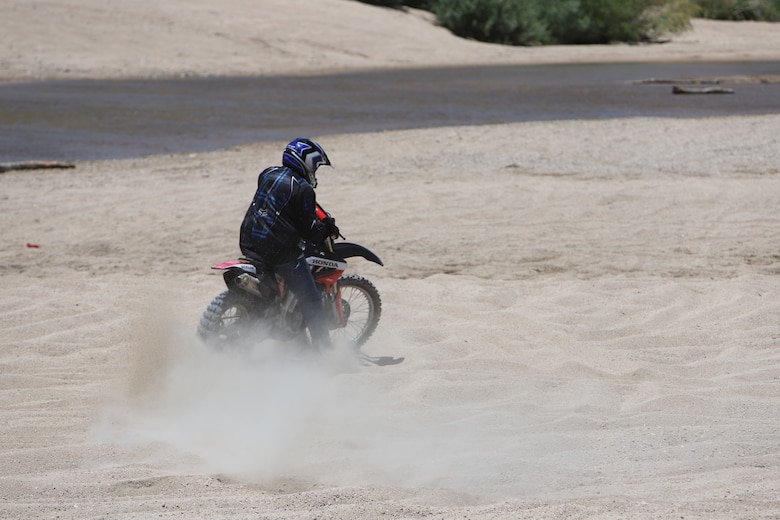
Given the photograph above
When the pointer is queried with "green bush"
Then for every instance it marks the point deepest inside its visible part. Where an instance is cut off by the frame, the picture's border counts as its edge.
(545, 22)
(530, 22)
(764, 10)
(496, 21)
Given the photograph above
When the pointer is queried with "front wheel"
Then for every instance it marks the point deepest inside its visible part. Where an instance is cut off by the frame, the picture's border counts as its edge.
(361, 306)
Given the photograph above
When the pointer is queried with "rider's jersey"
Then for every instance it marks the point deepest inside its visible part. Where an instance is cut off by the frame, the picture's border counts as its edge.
(281, 214)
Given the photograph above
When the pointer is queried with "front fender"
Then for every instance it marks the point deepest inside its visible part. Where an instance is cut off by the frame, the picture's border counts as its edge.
(348, 249)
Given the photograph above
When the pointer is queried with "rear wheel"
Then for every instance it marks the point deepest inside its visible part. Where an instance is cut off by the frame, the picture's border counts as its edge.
(228, 319)
(362, 307)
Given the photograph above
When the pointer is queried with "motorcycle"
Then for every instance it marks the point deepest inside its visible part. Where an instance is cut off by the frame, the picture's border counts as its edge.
(257, 304)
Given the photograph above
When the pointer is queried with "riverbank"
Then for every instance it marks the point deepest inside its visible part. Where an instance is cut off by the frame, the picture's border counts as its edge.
(66, 39)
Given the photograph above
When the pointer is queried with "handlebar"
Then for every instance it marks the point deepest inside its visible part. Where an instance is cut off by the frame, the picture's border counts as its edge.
(321, 214)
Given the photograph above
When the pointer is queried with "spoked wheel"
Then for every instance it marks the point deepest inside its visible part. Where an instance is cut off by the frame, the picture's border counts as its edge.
(227, 319)
(362, 308)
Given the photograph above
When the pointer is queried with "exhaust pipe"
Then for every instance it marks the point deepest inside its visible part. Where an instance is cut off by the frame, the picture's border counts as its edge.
(250, 284)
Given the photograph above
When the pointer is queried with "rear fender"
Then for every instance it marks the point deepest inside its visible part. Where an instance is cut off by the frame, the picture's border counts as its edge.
(232, 269)
(242, 265)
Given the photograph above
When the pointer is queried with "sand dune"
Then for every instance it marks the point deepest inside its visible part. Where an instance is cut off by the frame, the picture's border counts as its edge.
(144, 38)
(581, 315)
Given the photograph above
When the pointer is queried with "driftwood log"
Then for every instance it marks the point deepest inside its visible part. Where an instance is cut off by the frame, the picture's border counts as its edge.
(701, 90)
(767, 79)
(35, 165)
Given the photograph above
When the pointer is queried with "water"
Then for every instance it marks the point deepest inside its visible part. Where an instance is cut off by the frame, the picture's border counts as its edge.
(83, 119)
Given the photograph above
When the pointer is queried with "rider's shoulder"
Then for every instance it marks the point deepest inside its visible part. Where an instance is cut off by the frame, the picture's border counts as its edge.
(276, 170)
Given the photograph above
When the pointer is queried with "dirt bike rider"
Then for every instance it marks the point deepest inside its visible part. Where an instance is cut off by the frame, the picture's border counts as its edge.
(281, 215)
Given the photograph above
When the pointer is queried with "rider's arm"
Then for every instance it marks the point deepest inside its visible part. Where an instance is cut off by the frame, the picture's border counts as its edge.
(309, 226)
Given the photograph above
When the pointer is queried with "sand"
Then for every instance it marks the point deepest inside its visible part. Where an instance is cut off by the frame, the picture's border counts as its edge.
(580, 318)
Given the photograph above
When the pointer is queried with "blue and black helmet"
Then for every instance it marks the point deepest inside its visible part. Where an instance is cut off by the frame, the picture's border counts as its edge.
(304, 156)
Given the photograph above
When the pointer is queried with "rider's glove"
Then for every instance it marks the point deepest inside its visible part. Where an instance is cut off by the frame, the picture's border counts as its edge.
(331, 228)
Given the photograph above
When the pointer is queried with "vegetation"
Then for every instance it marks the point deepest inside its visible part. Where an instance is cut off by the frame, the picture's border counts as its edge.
(763, 10)
(535, 22)
(545, 22)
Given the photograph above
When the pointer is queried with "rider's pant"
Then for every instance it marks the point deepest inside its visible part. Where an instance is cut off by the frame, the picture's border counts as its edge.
(298, 277)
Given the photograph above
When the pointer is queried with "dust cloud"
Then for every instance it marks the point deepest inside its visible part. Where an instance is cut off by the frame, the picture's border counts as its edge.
(265, 412)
